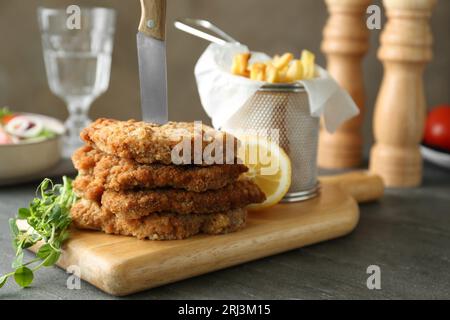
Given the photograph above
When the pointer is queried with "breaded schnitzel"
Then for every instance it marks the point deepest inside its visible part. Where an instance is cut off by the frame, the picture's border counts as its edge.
(100, 171)
(148, 143)
(160, 226)
(136, 204)
(132, 182)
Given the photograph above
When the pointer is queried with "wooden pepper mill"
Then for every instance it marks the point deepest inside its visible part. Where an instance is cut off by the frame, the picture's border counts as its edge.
(400, 108)
(346, 41)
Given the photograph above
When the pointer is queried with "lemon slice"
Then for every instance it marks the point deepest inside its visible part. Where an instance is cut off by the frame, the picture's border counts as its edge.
(269, 167)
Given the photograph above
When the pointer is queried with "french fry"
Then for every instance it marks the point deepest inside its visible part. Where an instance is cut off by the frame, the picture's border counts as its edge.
(295, 71)
(282, 74)
(271, 74)
(283, 61)
(240, 64)
(281, 69)
(258, 71)
(269, 63)
(308, 62)
(275, 59)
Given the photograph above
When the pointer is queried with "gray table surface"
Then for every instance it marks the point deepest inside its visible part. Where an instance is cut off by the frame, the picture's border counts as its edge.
(407, 234)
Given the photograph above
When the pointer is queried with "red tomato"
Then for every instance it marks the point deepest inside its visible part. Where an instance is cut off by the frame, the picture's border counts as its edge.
(437, 127)
(4, 137)
(8, 118)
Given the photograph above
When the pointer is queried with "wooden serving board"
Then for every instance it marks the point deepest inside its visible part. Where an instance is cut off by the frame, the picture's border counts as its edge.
(123, 265)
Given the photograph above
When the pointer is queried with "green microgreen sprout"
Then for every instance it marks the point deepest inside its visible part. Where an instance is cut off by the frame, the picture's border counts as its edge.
(48, 220)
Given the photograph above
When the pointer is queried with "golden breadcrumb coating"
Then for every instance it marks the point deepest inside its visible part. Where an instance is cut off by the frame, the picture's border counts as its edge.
(88, 214)
(100, 171)
(148, 143)
(136, 204)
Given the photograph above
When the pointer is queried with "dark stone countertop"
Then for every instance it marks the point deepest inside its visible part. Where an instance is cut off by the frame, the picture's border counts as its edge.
(407, 234)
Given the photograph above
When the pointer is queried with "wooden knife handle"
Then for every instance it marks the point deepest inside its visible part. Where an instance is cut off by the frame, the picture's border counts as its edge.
(361, 185)
(153, 18)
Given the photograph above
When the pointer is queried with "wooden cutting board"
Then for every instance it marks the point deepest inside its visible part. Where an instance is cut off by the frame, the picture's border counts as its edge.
(124, 265)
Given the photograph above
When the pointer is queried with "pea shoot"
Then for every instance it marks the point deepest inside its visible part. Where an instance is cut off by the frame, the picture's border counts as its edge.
(48, 219)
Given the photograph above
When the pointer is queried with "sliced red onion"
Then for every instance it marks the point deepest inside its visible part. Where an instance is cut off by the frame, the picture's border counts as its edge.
(23, 127)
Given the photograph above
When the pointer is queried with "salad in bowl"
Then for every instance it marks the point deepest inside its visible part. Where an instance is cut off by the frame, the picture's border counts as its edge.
(30, 144)
(16, 128)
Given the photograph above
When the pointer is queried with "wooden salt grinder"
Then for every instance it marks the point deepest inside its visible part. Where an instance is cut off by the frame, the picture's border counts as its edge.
(400, 108)
(346, 41)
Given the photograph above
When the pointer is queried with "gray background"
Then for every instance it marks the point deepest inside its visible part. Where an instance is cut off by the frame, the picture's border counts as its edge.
(265, 25)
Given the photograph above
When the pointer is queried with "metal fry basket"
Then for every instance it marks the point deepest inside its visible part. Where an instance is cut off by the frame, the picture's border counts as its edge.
(276, 106)
(286, 108)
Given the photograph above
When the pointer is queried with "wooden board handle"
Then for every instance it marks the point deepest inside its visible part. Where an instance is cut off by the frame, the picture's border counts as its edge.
(153, 18)
(361, 185)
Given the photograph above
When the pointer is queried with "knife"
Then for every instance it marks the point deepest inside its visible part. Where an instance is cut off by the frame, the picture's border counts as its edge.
(151, 48)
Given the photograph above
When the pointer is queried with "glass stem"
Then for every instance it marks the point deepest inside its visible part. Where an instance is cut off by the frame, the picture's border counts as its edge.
(78, 119)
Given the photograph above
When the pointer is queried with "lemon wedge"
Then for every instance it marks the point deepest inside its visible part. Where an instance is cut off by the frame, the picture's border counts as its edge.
(269, 167)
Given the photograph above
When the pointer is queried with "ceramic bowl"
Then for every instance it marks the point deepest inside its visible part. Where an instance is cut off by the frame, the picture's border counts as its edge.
(19, 161)
(438, 157)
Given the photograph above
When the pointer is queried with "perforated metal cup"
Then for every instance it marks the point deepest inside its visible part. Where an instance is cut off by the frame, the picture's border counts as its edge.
(286, 108)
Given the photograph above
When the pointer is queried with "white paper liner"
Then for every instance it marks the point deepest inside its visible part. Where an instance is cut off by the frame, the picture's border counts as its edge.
(222, 94)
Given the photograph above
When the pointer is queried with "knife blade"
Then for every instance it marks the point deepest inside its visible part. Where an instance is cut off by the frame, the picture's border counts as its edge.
(151, 48)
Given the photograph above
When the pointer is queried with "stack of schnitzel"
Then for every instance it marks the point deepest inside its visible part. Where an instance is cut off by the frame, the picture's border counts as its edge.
(130, 183)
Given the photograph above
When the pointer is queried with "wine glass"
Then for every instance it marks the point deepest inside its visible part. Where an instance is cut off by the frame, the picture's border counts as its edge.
(77, 61)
